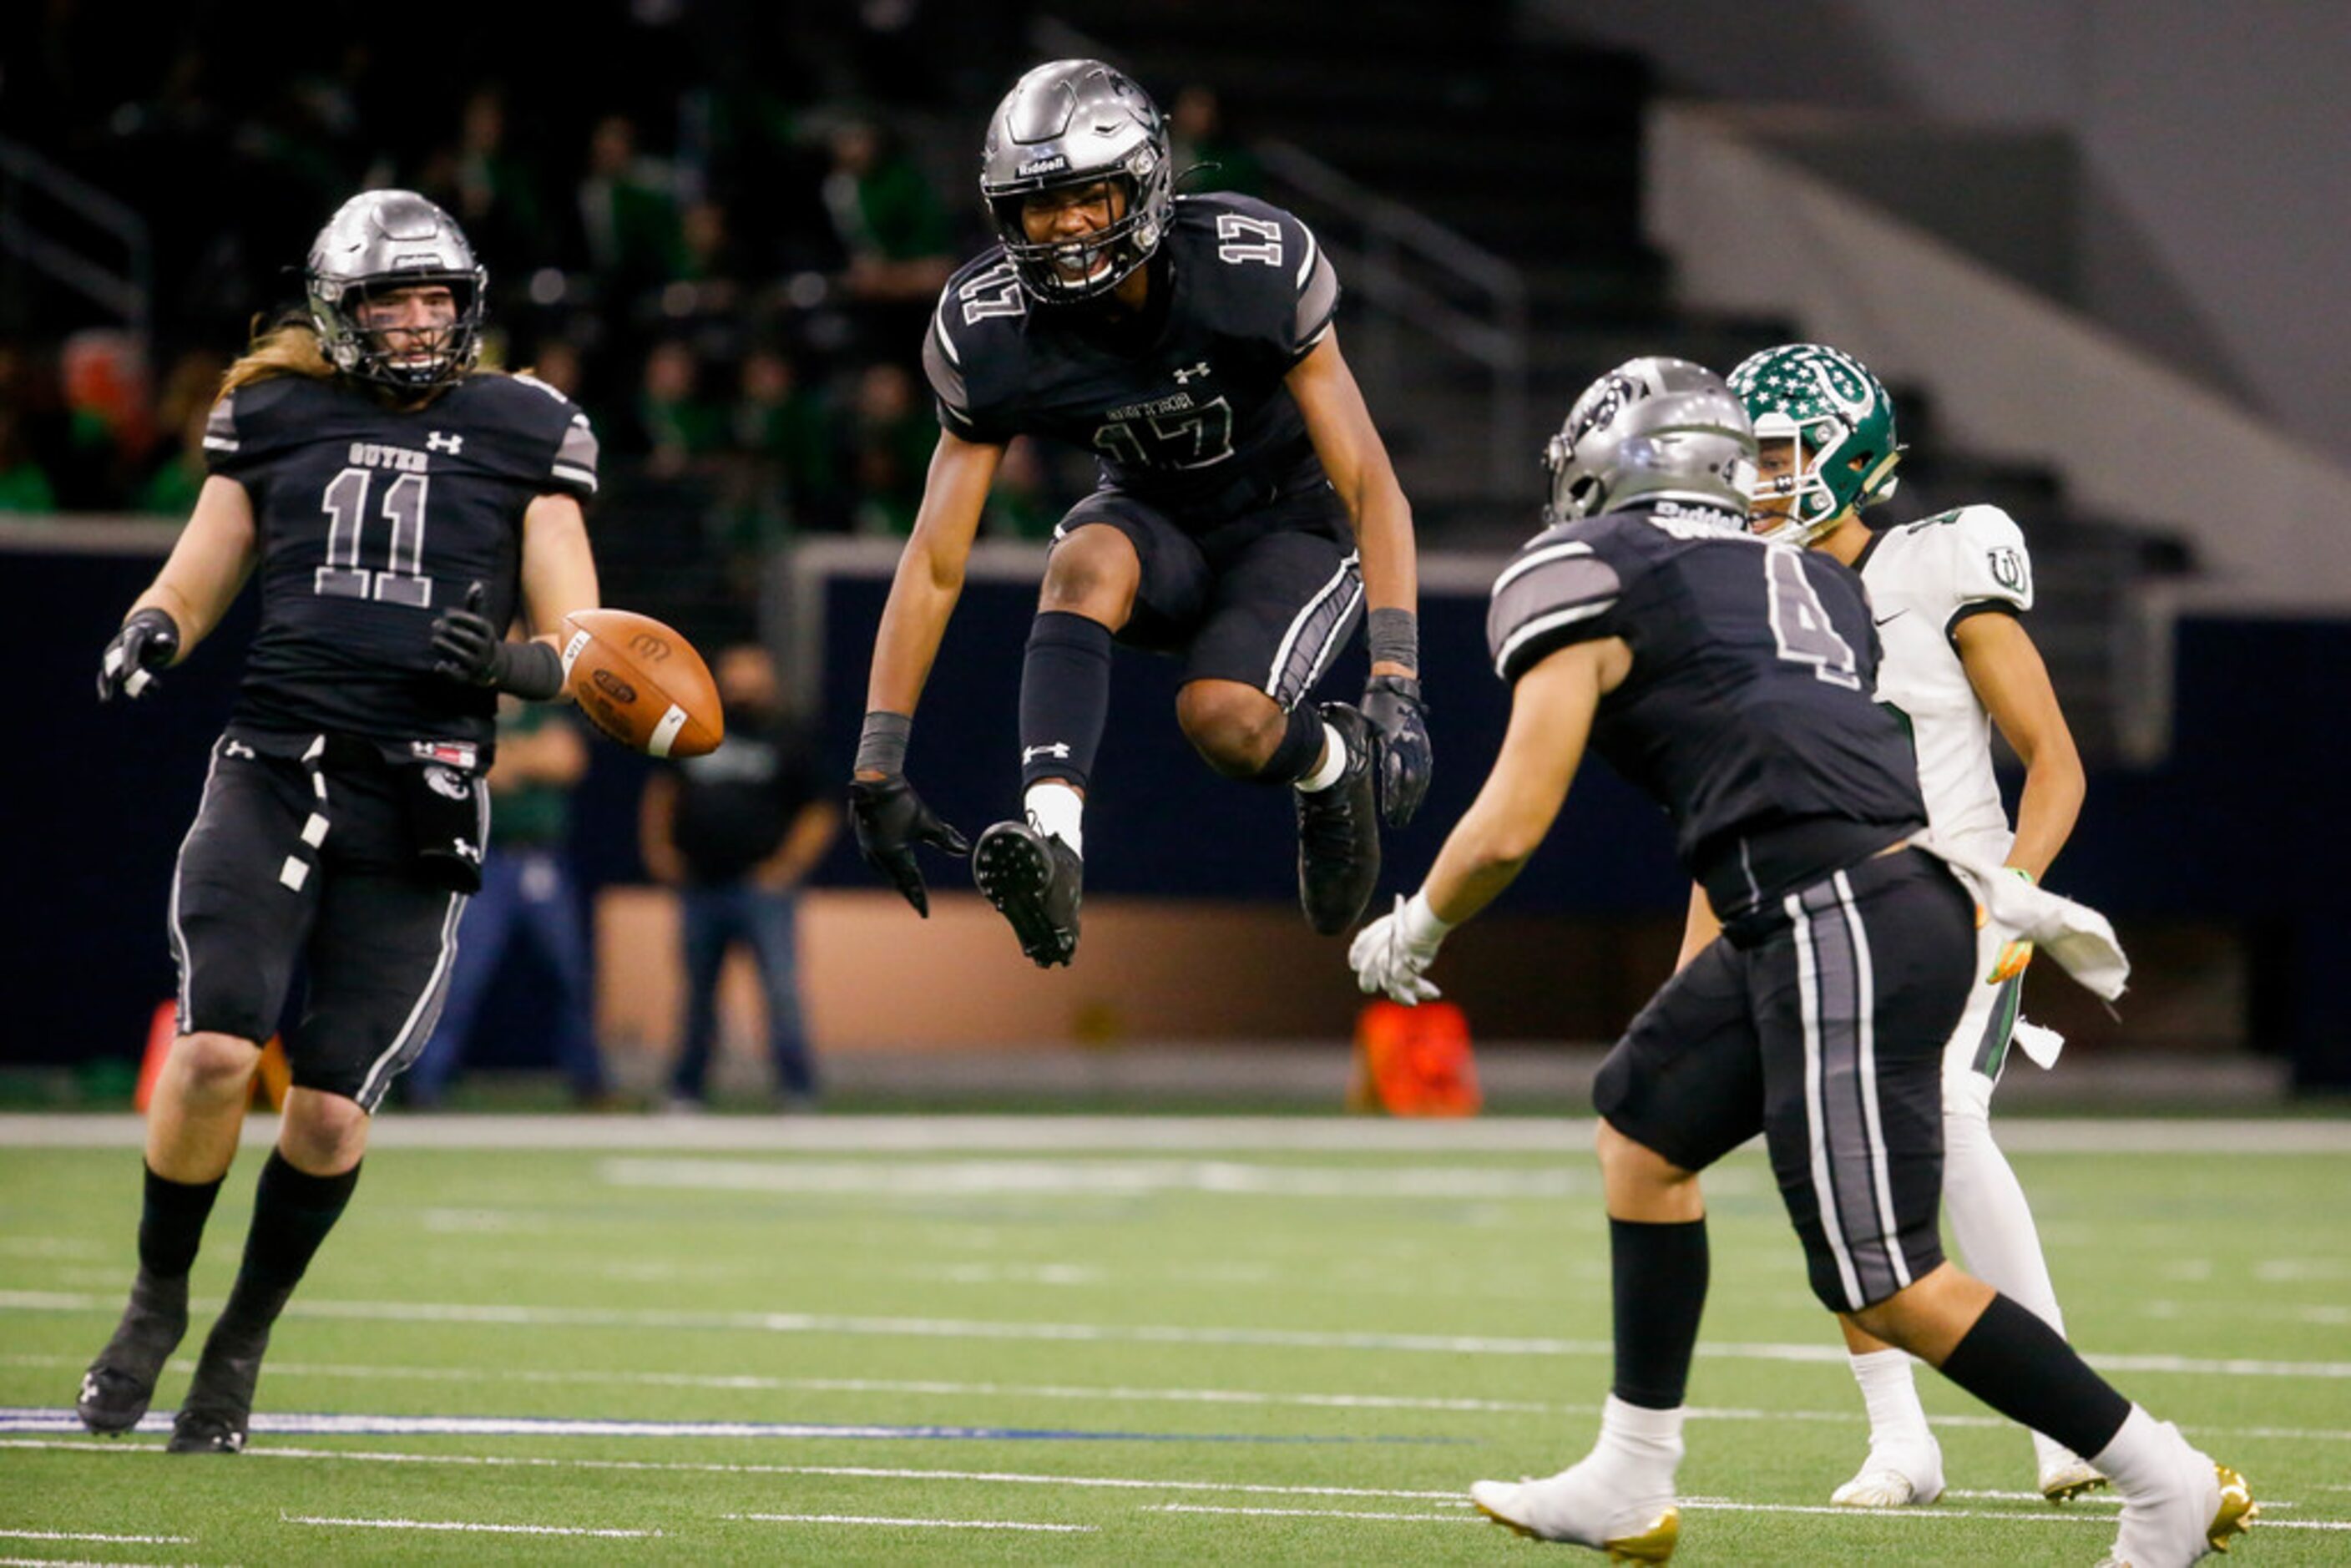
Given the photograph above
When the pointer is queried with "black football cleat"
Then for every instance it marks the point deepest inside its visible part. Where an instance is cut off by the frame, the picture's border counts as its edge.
(1338, 833)
(218, 1409)
(120, 1383)
(1037, 882)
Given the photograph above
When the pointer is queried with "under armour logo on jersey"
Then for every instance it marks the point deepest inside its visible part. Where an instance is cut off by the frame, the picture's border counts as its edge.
(436, 442)
(238, 748)
(1183, 376)
(1058, 751)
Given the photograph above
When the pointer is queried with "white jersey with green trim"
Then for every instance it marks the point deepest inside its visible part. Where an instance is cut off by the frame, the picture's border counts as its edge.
(1924, 578)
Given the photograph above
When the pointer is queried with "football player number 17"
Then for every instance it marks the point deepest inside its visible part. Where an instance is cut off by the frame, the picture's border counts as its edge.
(402, 578)
(1800, 623)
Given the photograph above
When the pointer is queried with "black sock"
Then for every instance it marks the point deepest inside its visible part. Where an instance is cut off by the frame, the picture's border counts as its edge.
(1064, 698)
(1660, 1275)
(172, 1223)
(2024, 1369)
(1301, 748)
(292, 1212)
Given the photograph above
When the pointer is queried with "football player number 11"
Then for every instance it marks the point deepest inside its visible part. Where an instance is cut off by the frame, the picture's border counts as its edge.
(400, 580)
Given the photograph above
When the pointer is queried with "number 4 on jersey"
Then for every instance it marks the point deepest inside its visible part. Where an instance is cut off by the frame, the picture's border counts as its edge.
(1800, 621)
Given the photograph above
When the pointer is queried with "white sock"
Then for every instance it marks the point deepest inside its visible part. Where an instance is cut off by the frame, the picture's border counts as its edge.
(1991, 1219)
(1334, 764)
(1992, 1222)
(1637, 1441)
(2142, 1458)
(1058, 811)
(1890, 1393)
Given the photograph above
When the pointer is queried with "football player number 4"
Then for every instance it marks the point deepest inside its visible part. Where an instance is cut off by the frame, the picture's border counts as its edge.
(400, 580)
(1800, 623)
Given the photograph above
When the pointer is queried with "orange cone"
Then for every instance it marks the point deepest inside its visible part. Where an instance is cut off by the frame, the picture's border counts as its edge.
(1414, 1061)
(161, 1031)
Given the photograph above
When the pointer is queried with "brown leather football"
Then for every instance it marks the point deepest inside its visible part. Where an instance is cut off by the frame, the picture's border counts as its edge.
(641, 684)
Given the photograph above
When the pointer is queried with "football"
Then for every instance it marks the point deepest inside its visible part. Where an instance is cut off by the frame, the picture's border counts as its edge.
(641, 684)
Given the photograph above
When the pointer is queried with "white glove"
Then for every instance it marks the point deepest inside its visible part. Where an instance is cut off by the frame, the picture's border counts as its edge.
(1393, 952)
(2077, 937)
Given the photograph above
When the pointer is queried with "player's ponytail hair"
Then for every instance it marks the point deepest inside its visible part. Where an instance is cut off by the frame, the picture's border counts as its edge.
(288, 347)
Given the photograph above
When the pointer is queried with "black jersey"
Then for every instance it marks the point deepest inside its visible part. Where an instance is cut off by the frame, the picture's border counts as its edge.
(1748, 713)
(1192, 417)
(371, 521)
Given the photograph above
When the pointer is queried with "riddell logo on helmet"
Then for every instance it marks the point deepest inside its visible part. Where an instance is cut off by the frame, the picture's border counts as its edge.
(1049, 165)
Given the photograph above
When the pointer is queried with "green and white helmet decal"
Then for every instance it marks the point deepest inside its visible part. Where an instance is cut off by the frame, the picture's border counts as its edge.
(1842, 422)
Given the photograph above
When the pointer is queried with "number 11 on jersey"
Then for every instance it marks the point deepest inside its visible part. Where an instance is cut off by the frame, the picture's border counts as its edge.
(345, 504)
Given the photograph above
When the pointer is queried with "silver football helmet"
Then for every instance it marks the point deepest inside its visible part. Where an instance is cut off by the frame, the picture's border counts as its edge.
(1652, 428)
(382, 240)
(1073, 123)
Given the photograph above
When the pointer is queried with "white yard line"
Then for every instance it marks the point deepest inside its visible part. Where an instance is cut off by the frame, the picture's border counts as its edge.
(89, 1535)
(2043, 1515)
(914, 1523)
(469, 1528)
(1569, 1138)
(1101, 1178)
(1094, 1393)
(2093, 1500)
(1320, 1514)
(852, 1472)
(1098, 1393)
(79, 1563)
(1109, 1333)
(334, 1425)
(1122, 1483)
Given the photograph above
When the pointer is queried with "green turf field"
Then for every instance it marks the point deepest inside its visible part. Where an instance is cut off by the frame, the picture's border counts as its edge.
(880, 1340)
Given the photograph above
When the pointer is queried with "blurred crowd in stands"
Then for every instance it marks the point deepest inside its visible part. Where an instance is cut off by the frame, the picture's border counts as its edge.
(719, 226)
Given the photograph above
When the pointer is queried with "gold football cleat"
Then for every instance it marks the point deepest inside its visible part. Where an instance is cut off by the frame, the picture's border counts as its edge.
(1655, 1544)
(2064, 1484)
(2237, 1512)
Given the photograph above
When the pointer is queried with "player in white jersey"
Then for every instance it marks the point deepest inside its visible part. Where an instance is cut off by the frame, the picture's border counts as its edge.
(1947, 593)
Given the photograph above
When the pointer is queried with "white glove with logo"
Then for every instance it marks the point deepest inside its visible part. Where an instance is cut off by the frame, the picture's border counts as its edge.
(1393, 952)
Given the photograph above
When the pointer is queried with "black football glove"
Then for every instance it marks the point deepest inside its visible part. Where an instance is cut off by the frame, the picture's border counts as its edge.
(464, 644)
(466, 647)
(889, 819)
(148, 642)
(1400, 751)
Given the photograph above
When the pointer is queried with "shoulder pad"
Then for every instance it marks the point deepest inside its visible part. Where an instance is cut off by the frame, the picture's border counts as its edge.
(1987, 559)
(978, 302)
(245, 426)
(1554, 591)
(1271, 262)
(554, 424)
(220, 429)
(573, 465)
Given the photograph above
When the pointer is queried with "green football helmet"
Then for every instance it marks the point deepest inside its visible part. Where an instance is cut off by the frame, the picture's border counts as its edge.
(1842, 424)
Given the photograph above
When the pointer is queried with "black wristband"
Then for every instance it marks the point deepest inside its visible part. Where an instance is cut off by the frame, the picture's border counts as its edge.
(533, 670)
(882, 743)
(1394, 638)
